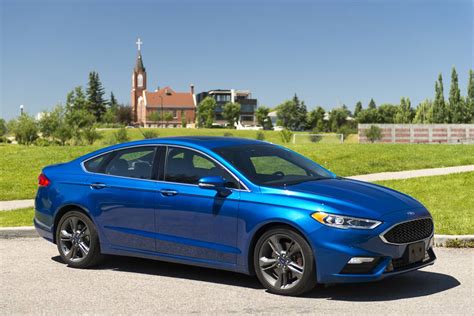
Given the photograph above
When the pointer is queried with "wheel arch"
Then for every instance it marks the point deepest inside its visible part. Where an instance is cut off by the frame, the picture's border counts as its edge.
(264, 228)
(65, 209)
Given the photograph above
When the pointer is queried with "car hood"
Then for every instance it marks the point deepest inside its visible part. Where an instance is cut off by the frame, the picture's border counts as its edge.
(352, 197)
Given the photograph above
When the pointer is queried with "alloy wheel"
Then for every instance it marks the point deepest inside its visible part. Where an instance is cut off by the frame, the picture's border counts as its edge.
(74, 239)
(281, 261)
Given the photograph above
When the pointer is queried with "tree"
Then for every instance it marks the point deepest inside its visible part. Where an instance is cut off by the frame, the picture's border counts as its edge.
(357, 109)
(3, 127)
(95, 96)
(205, 112)
(76, 100)
(337, 118)
(231, 113)
(168, 117)
(25, 129)
(292, 114)
(440, 113)
(423, 112)
(77, 121)
(154, 116)
(113, 101)
(261, 115)
(50, 121)
(470, 98)
(404, 113)
(372, 104)
(385, 114)
(368, 116)
(124, 114)
(373, 133)
(456, 104)
(315, 119)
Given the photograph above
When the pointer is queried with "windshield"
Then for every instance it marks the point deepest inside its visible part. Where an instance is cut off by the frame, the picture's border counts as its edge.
(270, 165)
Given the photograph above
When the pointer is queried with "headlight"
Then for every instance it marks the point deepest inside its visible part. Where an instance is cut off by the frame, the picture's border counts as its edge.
(345, 222)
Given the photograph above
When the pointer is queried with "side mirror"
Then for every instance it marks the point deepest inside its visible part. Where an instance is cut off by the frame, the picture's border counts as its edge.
(214, 183)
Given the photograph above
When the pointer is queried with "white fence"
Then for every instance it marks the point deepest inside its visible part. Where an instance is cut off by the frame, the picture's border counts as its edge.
(421, 133)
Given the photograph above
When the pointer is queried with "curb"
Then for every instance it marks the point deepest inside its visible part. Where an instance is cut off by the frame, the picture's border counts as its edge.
(439, 240)
(18, 232)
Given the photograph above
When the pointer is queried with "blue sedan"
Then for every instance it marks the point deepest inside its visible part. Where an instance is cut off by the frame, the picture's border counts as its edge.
(235, 204)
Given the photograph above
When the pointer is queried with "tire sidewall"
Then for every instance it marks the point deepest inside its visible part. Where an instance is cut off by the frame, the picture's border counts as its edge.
(308, 280)
(94, 249)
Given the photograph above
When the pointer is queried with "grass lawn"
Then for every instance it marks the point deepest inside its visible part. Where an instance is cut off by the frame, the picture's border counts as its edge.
(20, 217)
(450, 200)
(21, 165)
(452, 209)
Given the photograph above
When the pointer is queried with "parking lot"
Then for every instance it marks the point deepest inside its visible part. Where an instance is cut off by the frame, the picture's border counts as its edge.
(33, 281)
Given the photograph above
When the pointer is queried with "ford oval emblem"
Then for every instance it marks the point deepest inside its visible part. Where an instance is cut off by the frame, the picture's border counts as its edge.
(411, 213)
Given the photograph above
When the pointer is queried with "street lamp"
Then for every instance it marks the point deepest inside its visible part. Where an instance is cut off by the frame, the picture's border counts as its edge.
(161, 116)
(21, 109)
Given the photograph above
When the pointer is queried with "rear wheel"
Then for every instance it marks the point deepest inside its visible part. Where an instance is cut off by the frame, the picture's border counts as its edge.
(284, 262)
(77, 240)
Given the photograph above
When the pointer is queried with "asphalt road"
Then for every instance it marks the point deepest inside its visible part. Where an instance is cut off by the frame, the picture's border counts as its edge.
(34, 281)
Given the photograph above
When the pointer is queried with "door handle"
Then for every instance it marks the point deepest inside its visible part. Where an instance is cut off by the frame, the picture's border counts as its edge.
(98, 186)
(168, 192)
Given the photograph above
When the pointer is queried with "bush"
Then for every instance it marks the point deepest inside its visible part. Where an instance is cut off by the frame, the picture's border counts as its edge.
(91, 135)
(315, 138)
(149, 134)
(286, 136)
(346, 131)
(227, 134)
(43, 142)
(373, 134)
(260, 135)
(121, 136)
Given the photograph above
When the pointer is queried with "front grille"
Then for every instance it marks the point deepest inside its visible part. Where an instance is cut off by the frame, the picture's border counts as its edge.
(410, 231)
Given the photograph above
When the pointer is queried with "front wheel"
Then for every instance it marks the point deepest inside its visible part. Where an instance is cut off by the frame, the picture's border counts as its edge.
(284, 262)
(77, 240)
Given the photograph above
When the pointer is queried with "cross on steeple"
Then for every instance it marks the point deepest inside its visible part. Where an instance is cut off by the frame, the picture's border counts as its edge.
(139, 44)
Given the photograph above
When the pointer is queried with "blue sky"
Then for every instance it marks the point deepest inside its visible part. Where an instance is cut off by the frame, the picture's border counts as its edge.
(328, 52)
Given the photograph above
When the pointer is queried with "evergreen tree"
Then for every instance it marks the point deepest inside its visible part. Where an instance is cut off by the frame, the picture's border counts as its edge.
(292, 114)
(96, 103)
(440, 114)
(456, 104)
(470, 98)
(113, 101)
(358, 108)
(372, 104)
(315, 119)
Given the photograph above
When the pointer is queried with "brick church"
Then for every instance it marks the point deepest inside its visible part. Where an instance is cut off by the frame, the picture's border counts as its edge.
(162, 107)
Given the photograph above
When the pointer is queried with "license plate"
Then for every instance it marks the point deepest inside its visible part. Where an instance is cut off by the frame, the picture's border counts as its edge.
(416, 252)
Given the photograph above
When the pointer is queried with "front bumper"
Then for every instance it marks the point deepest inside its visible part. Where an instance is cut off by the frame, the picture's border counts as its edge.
(333, 248)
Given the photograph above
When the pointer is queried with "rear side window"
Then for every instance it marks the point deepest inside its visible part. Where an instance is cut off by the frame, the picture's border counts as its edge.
(132, 163)
(94, 165)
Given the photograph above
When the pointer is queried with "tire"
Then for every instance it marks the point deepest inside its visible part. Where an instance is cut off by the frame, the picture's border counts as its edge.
(83, 239)
(284, 269)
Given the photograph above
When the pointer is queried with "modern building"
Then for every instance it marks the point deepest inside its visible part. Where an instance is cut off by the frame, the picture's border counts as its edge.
(162, 107)
(248, 105)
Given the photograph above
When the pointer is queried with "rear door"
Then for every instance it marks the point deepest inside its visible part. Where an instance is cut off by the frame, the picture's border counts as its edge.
(123, 194)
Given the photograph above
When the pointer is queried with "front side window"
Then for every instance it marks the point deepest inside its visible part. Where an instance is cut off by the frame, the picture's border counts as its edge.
(272, 165)
(188, 166)
(132, 162)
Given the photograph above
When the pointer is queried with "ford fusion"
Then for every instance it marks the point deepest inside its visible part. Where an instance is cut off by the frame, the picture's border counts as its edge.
(235, 204)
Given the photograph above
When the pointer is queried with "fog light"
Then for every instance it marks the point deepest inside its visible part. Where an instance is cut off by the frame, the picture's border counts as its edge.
(360, 260)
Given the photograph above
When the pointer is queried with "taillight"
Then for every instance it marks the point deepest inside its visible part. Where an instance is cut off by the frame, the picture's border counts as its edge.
(43, 181)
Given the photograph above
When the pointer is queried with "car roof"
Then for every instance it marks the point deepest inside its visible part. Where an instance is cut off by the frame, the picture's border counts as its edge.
(202, 141)
(208, 142)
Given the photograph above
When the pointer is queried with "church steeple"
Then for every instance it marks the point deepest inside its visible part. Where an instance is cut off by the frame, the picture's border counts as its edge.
(138, 81)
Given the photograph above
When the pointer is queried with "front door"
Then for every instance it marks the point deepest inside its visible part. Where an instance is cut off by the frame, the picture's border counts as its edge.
(194, 222)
